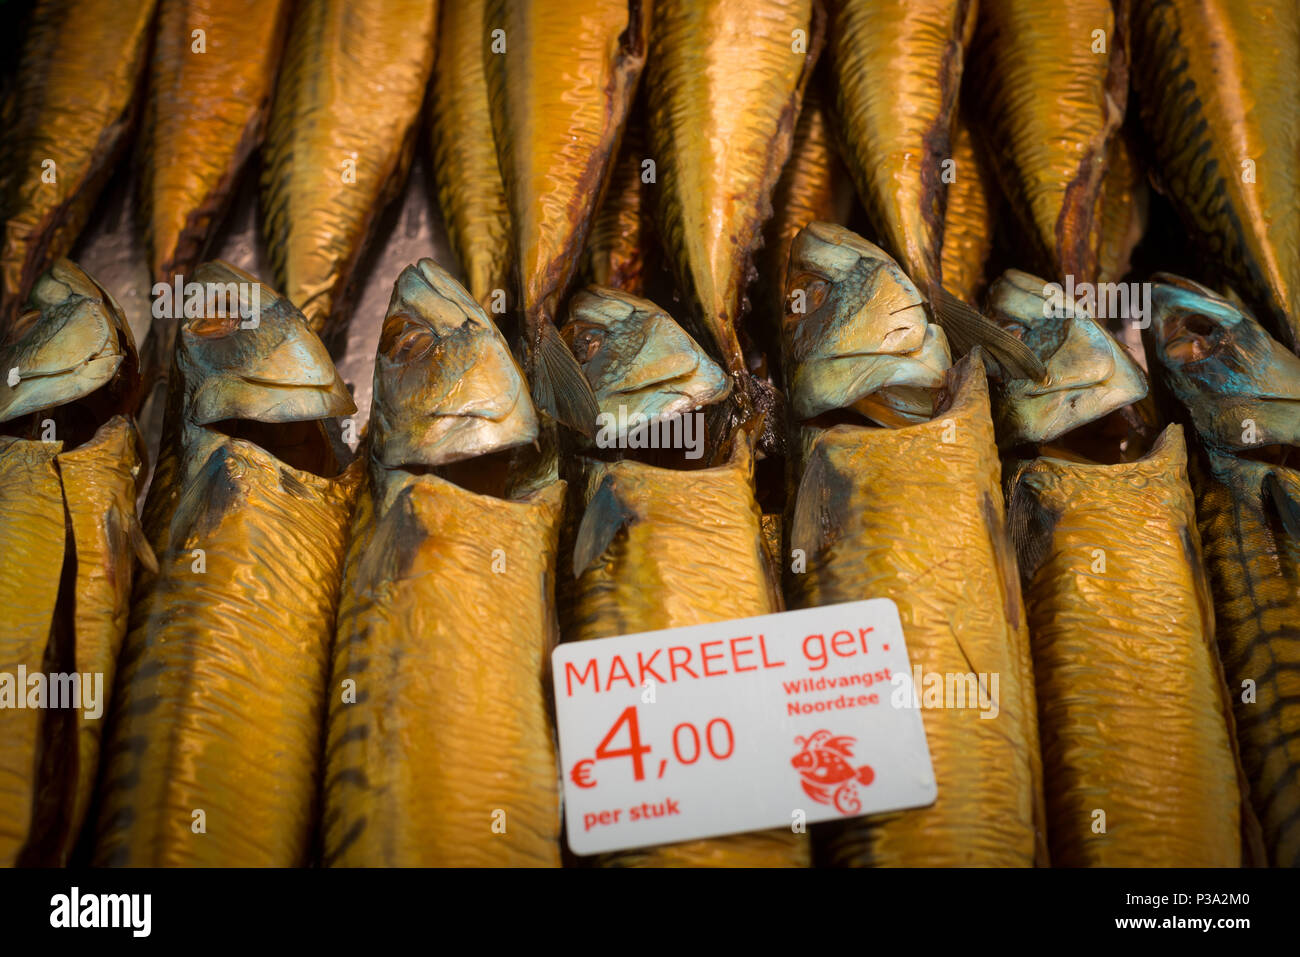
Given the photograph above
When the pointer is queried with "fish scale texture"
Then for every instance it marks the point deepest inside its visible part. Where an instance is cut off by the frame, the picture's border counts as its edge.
(31, 559)
(220, 698)
(693, 554)
(1050, 106)
(449, 649)
(203, 118)
(471, 196)
(947, 565)
(350, 89)
(1217, 83)
(1255, 574)
(70, 103)
(969, 219)
(898, 66)
(726, 83)
(1133, 715)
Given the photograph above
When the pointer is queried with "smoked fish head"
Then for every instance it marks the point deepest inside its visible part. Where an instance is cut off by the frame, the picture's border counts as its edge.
(71, 342)
(429, 409)
(266, 368)
(1089, 374)
(1240, 386)
(855, 333)
(637, 358)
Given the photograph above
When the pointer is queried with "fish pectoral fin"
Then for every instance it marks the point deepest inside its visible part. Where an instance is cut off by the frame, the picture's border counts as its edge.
(967, 328)
(809, 529)
(1285, 503)
(605, 516)
(1030, 526)
(559, 386)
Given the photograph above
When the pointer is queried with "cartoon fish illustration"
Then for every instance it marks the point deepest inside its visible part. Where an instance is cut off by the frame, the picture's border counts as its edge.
(828, 777)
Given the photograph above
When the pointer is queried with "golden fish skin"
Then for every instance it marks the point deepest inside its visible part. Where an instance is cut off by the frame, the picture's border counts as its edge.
(559, 96)
(1217, 85)
(970, 218)
(450, 722)
(471, 194)
(340, 141)
(1050, 106)
(726, 82)
(949, 568)
(616, 250)
(71, 105)
(697, 536)
(203, 118)
(1123, 204)
(69, 536)
(1254, 569)
(898, 67)
(1160, 764)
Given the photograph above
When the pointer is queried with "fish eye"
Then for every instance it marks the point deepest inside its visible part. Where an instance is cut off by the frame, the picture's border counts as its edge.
(212, 327)
(815, 290)
(1192, 338)
(586, 342)
(403, 338)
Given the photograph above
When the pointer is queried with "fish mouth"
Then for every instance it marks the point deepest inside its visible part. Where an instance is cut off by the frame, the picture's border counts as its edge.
(638, 359)
(863, 341)
(446, 388)
(70, 358)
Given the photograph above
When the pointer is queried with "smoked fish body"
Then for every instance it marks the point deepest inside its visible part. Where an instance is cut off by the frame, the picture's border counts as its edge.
(970, 217)
(898, 67)
(616, 249)
(949, 568)
(71, 107)
(1118, 600)
(203, 118)
(1217, 81)
(340, 141)
(1254, 570)
(727, 80)
(1053, 80)
(471, 194)
(446, 625)
(690, 551)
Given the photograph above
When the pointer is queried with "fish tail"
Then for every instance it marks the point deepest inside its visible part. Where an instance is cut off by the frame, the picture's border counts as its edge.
(559, 386)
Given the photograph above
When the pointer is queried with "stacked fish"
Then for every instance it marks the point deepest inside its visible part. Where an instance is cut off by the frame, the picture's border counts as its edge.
(894, 251)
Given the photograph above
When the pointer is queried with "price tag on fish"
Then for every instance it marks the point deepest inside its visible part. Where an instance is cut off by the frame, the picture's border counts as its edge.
(776, 721)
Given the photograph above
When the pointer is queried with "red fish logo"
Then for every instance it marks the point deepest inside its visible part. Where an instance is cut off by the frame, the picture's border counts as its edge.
(827, 775)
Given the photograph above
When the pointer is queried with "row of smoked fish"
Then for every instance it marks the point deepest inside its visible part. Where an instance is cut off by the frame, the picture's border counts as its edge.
(313, 661)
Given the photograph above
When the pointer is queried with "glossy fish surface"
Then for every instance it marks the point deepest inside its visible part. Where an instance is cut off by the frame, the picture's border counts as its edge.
(214, 754)
(340, 141)
(447, 615)
(64, 124)
(70, 469)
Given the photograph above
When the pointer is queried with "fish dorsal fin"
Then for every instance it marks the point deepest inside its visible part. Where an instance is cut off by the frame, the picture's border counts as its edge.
(604, 518)
(967, 328)
(1285, 504)
(559, 387)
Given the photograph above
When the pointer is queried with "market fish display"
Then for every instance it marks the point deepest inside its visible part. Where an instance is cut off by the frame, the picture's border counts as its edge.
(70, 465)
(471, 196)
(1116, 595)
(726, 82)
(1051, 87)
(444, 757)
(559, 92)
(1217, 81)
(695, 533)
(207, 101)
(65, 122)
(897, 67)
(913, 513)
(340, 141)
(214, 751)
(1240, 391)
